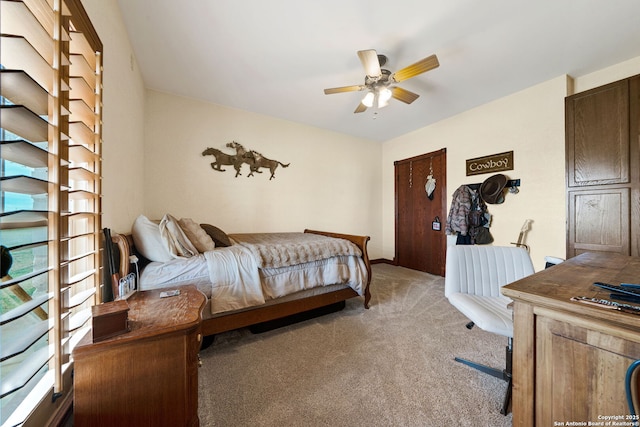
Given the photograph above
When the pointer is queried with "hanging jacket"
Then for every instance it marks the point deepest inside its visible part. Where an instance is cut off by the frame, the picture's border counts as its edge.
(457, 221)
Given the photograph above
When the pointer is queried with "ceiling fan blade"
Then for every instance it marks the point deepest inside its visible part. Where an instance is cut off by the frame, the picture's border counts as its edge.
(361, 108)
(403, 95)
(370, 62)
(342, 89)
(422, 66)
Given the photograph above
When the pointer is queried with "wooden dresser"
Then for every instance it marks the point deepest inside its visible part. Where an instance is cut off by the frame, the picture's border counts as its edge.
(570, 358)
(148, 376)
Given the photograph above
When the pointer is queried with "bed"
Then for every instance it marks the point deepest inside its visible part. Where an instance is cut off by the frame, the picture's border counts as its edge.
(291, 280)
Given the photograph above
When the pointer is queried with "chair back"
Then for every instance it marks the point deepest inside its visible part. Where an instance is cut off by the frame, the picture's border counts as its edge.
(483, 270)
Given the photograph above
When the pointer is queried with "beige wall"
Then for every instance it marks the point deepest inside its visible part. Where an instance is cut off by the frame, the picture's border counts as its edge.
(531, 123)
(332, 182)
(123, 118)
(607, 75)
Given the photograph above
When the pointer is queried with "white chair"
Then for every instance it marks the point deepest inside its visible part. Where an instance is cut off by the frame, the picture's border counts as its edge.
(550, 261)
(474, 276)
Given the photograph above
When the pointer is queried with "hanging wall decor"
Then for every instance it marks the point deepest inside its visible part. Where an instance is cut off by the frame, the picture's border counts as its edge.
(492, 163)
(255, 160)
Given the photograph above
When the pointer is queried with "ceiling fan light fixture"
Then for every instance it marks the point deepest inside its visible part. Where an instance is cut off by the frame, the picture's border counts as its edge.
(368, 99)
(384, 95)
(377, 80)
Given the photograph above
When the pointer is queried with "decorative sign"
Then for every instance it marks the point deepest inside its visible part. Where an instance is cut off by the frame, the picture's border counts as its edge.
(492, 163)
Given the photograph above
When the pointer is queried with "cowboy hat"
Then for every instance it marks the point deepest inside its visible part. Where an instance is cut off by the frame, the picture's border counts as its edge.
(491, 189)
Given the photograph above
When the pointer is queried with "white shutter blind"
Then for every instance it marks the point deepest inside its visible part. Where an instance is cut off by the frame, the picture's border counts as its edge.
(50, 171)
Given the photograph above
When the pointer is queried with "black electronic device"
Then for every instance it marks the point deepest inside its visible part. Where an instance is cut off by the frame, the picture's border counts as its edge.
(626, 293)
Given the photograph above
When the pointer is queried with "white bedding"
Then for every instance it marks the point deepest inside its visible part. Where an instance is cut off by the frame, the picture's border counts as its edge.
(233, 273)
(348, 270)
(230, 276)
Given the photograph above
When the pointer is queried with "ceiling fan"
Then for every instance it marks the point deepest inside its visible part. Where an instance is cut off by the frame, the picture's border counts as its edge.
(379, 82)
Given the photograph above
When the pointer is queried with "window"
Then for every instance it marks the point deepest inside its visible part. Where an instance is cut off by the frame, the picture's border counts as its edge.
(50, 212)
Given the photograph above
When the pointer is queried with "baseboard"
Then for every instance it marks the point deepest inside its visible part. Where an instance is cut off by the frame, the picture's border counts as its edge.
(382, 261)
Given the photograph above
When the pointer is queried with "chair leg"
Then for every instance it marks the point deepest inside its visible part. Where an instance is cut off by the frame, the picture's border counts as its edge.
(504, 374)
(508, 371)
(498, 373)
(469, 325)
(507, 398)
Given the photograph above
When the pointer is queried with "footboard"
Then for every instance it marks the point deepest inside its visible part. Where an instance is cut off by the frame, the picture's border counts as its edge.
(360, 242)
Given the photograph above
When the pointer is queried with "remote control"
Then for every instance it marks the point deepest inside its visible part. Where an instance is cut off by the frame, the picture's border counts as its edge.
(624, 297)
(629, 291)
(172, 293)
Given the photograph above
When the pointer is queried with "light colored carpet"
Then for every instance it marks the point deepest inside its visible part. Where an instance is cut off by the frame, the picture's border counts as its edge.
(391, 365)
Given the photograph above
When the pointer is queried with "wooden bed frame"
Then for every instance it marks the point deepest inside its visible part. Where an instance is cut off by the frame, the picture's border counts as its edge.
(222, 322)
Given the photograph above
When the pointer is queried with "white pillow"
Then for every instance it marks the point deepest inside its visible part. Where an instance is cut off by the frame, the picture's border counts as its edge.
(177, 242)
(200, 239)
(148, 240)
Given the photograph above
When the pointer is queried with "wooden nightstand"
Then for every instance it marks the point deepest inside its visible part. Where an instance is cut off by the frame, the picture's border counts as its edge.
(148, 376)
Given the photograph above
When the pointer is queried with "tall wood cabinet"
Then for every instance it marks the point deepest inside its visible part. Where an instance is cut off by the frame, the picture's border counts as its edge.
(603, 169)
(147, 376)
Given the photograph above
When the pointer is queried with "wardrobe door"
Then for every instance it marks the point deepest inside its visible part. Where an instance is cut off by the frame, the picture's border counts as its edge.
(600, 220)
(420, 245)
(597, 136)
(602, 162)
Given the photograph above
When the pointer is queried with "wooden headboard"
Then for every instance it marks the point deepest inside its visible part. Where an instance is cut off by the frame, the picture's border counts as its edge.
(124, 242)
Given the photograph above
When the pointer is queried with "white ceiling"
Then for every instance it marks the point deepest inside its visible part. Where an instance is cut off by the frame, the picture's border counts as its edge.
(275, 57)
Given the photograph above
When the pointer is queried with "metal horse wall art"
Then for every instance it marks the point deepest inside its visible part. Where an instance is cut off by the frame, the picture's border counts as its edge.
(223, 159)
(255, 160)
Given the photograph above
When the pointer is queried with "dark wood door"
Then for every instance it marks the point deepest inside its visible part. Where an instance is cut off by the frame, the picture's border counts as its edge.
(418, 245)
(603, 183)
